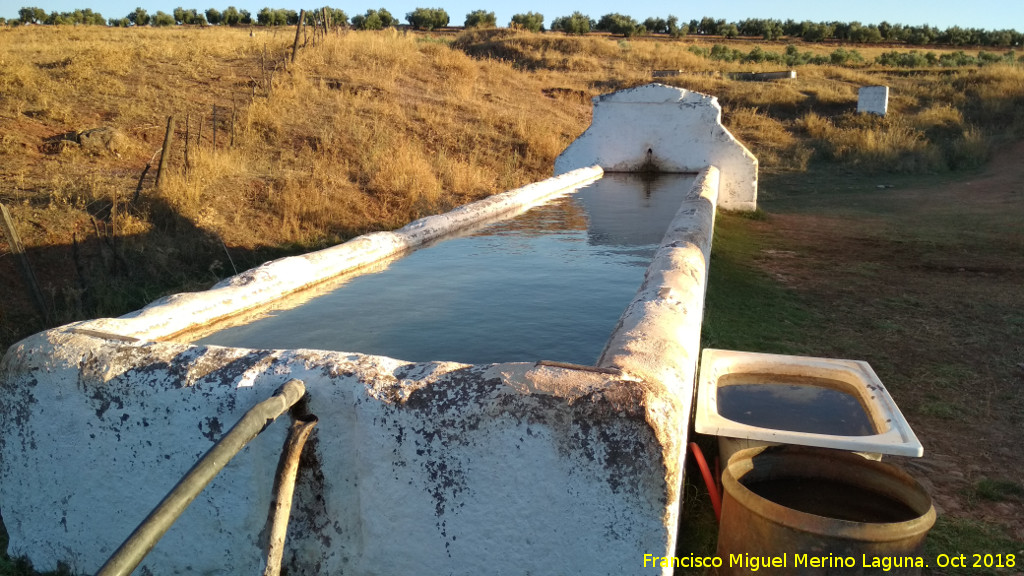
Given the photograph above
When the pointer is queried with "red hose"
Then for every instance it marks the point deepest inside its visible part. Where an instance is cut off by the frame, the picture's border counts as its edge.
(709, 480)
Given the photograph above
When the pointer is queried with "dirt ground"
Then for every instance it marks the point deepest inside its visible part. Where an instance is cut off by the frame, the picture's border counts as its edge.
(926, 282)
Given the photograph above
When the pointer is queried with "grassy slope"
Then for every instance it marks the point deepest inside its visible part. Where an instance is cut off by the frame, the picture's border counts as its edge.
(369, 130)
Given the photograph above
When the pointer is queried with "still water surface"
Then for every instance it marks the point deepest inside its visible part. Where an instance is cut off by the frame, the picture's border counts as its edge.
(549, 284)
(792, 403)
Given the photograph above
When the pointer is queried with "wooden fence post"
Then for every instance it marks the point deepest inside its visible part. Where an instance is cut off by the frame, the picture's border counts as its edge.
(298, 31)
(165, 152)
(138, 188)
(188, 142)
(26, 269)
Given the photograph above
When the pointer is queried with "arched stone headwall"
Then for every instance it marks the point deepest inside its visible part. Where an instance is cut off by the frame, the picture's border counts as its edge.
(665, 129)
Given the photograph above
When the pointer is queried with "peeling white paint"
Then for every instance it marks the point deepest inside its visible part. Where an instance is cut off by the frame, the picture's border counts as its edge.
(682, 130)
(413, 468)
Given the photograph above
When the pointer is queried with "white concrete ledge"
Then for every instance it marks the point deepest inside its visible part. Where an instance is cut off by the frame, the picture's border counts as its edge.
(657, 339)
(273, 280)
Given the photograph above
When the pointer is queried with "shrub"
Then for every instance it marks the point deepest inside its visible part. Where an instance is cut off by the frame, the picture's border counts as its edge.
(656, 25)
(481, 19)
(958, 58)
(532, 21)
(723, 53)
(374, 20)
(427, 18)
(337, 16)
(269, 17)
(817, 32)
(31, 15)
(162, 19)
(231, 16)
(768, 29)
(578, 23)
(702, 52)
(757, 55)
(843, 57)
(674, 29)
(139, 17)
(865, 34)
(707, 26)
(84, 17)
(618, 24)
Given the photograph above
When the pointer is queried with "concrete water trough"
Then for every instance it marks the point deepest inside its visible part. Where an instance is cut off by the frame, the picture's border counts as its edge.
(417, 466)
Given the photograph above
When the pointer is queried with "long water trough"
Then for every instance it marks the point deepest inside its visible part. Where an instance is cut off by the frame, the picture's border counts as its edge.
(550, 283)
(496, 394)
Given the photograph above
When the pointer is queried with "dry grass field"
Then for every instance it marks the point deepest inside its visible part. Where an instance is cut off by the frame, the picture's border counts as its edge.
(368, 130)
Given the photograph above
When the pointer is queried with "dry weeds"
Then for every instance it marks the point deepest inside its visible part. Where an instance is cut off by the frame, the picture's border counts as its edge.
(368, 130)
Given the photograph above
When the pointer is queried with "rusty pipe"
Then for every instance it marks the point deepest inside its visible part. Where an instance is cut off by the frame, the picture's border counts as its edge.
(131, 553)
(284, 487)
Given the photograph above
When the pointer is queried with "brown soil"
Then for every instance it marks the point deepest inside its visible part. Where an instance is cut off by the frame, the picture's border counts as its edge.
(926, 282)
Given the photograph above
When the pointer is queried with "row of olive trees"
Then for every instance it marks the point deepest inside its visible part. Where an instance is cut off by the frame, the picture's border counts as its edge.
(615, 23)
(35, 15)
(770, 29)
(576, 23)
(420, 18)
(855, 32)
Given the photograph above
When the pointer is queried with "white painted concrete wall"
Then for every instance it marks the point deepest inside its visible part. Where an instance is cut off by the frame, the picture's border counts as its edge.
(432, 468)
(682, 129)
(873, 100)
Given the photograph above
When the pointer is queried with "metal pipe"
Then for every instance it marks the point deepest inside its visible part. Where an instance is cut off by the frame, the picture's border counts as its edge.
(130, 554)
(284, 488)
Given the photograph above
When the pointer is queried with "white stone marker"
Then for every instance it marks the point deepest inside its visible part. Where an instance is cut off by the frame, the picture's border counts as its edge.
(873, 100)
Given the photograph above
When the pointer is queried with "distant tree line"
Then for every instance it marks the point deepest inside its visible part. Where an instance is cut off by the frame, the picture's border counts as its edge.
(792, 56)
(35, 15)
(575, 23)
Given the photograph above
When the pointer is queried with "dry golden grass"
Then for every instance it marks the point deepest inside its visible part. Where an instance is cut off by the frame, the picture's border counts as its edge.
(368, 130)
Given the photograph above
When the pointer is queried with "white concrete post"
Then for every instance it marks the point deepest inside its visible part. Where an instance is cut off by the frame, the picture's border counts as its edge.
(873, 100)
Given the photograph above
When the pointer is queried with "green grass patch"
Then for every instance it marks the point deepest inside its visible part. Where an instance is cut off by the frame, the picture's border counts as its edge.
(975, 540)
(998, 490)
(745, 308)
(940, 409)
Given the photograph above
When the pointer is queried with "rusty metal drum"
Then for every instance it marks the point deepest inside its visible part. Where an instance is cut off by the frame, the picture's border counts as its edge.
(803, 510)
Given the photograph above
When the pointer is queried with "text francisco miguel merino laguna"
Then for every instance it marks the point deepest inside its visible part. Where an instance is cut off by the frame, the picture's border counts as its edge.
(755, 563)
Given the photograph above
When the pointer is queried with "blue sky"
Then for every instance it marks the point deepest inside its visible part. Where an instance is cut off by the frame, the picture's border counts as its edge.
(988, 14)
